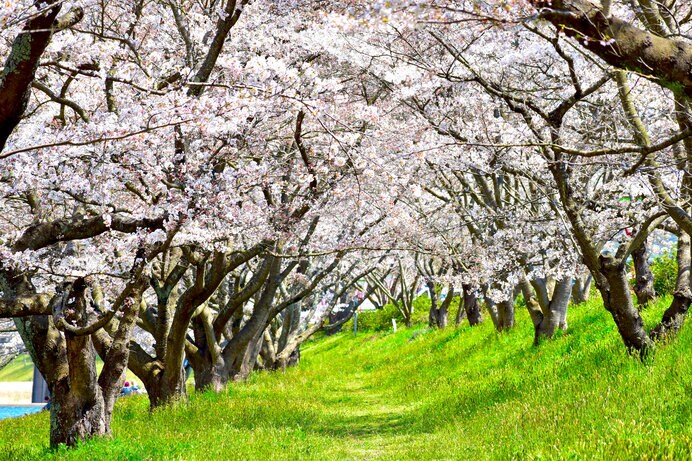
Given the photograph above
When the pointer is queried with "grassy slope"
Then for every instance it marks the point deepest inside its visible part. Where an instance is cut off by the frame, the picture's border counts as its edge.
(19, 369)
(22, 369)
(418, 394)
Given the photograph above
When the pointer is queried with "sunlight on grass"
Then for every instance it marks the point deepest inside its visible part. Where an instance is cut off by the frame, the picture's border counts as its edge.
(22, 369)
(19, 369)
(421, 394)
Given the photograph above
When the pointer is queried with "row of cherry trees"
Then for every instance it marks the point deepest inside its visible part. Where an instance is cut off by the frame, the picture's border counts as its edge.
(219, 175)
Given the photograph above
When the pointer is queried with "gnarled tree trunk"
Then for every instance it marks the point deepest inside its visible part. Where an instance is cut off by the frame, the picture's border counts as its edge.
(20, 67)
(505, 314)
(674, 316)
(471, 306)
(77, 409)
(62, 348)
(581, 288)
(439, 316)
(666, 61)
(644, 278)
(554, 309)
(442, 317)
(617, 300)
(502, 312)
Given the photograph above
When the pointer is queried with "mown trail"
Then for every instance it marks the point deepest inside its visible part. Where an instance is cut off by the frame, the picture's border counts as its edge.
(463, 393)
(360, 416)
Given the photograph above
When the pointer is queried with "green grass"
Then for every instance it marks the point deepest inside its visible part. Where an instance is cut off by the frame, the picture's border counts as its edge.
(22, 369)
(19, 369)
(465, 393)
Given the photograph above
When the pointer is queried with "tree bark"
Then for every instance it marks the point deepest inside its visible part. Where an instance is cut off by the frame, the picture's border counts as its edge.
(439, 316)
(674, 316)
(210, 376)
(461, 313)
(162, 390)
(581, 288)
(442, 317)
(501, 313)
(164, 375)
(618, 301)
(644, 278)
(551, 312)
(21, 64)
(232, 12)
(62, 347)
(471, 306)
(432, 317)
(609, 273)
(77, 409)
(505, 314)
(242, 350)
(337, 321)
(206, 360)
(81, 400)
(665, 61)
(556, 312)
(536, 311)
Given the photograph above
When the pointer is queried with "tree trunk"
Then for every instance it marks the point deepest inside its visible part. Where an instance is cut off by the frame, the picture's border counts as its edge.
(210, 376)
(581, 288)
(439, 316)
(337, 319)
(432, 318)
(674, 316)
(248, 359)
(505, 314)
(62, 347)
(532, 305)
(285, 359)
(240, 354)
(294, 358)
(502, 313)
(79, 406)
(609, 273)
(209, 367)
(644, 279)
(491, 307)
(268, 350)
(289, 324)
(162, 390)
(471, 306)
(77, 409)
(23, 60)
(442, 317)
(665, 61)
(406, 313)
(461, 313)
(618, 301)
(555, 316)
(551, 312)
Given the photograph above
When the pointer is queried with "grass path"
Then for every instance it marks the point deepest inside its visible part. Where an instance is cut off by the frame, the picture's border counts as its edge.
(465, 393)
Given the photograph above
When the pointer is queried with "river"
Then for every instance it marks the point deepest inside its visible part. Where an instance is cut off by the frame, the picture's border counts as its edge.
(12, 411)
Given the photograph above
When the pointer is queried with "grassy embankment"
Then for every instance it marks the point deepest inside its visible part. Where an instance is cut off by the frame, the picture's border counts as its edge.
(419, 394)
(22, 369)
(19, 369)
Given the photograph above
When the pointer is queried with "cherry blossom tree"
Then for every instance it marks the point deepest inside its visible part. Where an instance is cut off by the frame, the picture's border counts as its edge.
(207, 171)
(551, 133)
(125, 144)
